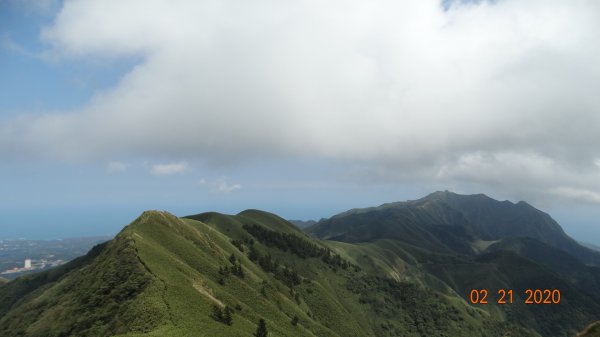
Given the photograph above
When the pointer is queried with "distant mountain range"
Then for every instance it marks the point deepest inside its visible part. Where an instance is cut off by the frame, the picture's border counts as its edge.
(449, 222)
(399, 269)
(303, 223)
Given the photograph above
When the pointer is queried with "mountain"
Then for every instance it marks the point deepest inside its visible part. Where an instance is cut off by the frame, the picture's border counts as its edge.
(475, 242)
(213, 274)
(590, 246)
(302, 223)
(449, 222)
(166, 276)
(593, 330)
(567, 266)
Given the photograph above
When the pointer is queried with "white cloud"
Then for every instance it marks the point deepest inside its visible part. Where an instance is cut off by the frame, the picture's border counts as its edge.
(170, 168)
(527, 176)
(577, 194)
(117, 166)
(503, 94)
(224, 187)
(220, 185)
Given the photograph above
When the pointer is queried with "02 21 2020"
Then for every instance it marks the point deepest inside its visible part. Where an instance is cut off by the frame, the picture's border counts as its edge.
(531, 296)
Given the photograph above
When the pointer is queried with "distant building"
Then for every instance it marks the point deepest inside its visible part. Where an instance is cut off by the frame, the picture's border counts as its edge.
(28, 264)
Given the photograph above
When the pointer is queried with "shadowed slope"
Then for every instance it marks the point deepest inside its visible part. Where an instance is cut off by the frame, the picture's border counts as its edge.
(166, 276)
(449, 222)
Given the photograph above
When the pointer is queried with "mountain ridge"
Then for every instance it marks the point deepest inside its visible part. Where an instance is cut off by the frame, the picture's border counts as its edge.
(475, 217)
(169, 276)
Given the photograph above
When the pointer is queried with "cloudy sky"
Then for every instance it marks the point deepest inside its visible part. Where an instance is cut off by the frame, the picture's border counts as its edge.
(303, 108)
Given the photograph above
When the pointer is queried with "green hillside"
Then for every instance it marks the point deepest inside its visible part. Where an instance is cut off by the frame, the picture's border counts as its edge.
(468, 242)
(166, 276)
(216, 275)
(568, 267)
(593, 330)
(449, 222)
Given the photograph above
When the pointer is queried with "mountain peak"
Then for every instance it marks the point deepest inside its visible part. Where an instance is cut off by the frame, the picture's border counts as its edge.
(449, 220)
(165, 275)
(152, 218)
(449, 194)
(156, 213)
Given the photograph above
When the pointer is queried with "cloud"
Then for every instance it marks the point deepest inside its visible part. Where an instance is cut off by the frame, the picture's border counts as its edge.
(583, 195)
(220, 185)
(117, 166)
(169, 169)
(496, 93)
(528, 176)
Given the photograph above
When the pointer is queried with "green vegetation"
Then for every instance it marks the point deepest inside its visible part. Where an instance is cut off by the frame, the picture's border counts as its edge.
(447, 223)
(224, 316)
(256, 274)
(593, 330)
(261, 330)
(545, 258)
(585, 277)
(91, 300)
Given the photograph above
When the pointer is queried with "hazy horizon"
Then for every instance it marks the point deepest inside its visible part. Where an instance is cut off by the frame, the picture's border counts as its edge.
(577, 226)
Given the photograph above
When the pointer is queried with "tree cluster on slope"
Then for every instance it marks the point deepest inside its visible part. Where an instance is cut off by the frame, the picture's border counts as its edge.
(235, 269)
(261, 330)
(224, 316)
(420, 311)
(296, 245)
(287, 274)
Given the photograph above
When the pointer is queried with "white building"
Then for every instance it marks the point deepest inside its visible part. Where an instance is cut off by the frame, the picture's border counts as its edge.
(28, 264)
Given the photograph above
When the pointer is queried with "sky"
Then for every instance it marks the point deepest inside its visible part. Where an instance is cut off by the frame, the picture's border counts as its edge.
(305, 108)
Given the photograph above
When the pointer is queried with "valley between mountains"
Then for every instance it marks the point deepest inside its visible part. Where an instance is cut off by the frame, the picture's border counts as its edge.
(399, 269)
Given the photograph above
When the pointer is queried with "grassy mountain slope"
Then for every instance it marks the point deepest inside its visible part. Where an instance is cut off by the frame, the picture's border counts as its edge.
(583, 276)
(166, 276)
(454, 275)
(302, 223)
(593, 330)
(448, 222)
(496, 220)
(514, 246)
(507, 270)
(91, 295)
